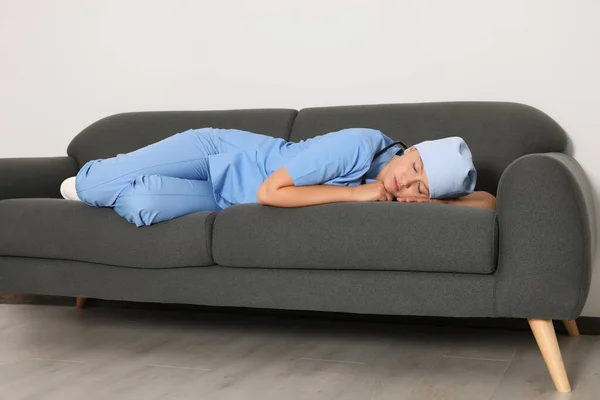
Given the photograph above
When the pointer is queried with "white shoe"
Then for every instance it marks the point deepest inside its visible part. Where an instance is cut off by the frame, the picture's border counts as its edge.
(67, 189)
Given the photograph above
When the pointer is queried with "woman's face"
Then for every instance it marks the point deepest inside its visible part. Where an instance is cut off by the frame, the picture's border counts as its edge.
(405, 175)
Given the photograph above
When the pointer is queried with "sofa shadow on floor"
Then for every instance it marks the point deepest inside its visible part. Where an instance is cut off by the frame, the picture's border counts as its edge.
(586, 325)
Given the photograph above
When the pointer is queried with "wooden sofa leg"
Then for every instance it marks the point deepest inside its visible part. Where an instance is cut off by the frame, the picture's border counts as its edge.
(80, 303)
(543, 330)
(571, 326)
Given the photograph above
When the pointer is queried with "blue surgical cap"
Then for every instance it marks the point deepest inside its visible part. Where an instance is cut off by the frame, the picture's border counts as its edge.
(449, 167)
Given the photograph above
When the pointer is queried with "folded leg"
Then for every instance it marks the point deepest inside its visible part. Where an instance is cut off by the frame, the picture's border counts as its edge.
(183, 155)
(147, 200)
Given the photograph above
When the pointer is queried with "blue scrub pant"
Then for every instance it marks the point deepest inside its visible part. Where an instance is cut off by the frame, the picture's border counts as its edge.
(157, 183)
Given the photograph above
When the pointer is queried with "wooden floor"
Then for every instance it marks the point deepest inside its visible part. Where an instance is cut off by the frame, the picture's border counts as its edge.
(57, 352)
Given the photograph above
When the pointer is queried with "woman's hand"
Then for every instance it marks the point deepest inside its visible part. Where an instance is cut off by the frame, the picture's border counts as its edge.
(374, 191)
(413, 199)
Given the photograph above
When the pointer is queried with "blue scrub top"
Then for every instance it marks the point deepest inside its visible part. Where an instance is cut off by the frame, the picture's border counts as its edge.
(245, 159)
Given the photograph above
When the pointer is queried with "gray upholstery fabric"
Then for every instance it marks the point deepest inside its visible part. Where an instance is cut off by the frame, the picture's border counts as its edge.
(34, 177)
(127, 132)
(497, 133)
(586, 200)
(368, 292)
(545, 218)
(71, 230)
(368, 236)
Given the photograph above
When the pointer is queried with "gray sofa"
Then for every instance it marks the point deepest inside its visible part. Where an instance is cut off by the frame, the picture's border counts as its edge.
(529, 259)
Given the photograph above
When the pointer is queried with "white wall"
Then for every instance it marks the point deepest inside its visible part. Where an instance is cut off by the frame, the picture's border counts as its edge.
(66, 63)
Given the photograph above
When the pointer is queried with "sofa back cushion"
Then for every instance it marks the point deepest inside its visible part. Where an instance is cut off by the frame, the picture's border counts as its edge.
(496, 132)
(122, 133)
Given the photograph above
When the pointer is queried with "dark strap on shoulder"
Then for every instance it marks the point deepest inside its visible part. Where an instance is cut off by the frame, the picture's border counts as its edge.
(380, 152)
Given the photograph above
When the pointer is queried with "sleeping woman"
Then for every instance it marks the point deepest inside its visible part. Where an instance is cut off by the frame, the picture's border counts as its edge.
(211, 169)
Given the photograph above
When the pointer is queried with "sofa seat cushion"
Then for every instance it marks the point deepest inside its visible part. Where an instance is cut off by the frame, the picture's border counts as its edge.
(358, 236)
(70, 230)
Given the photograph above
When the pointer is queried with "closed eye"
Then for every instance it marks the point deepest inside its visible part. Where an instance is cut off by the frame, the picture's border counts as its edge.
(415, 167)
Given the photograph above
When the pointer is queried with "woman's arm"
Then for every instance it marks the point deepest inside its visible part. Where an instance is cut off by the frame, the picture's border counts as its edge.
(483, 200)
(279, 190)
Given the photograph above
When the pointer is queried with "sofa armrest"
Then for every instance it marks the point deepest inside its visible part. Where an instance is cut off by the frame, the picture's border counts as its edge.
(547, 234)
(34, 177)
